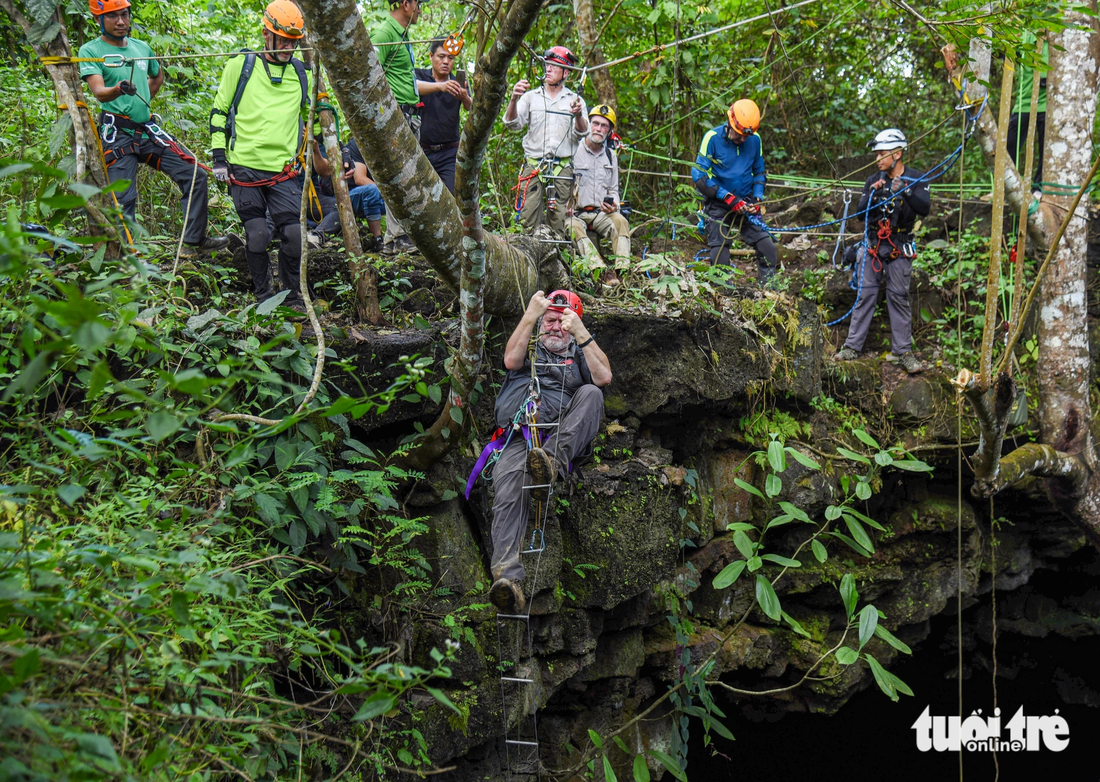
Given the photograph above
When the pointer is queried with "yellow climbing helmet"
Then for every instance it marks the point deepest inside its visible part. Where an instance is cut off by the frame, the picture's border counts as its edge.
(605, 111)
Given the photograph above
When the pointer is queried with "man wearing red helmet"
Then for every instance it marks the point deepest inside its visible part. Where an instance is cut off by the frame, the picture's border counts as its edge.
(729, 173)
(128, 133)
(571, 369)
(556, 120)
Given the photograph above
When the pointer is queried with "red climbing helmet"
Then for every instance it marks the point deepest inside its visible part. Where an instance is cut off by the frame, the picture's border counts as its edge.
(559, 55)
(561, 300)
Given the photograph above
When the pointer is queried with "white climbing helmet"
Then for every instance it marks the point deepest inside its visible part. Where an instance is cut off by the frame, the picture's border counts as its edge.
(891, 138)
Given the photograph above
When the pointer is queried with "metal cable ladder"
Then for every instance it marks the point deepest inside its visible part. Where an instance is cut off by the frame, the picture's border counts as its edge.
(521, 744)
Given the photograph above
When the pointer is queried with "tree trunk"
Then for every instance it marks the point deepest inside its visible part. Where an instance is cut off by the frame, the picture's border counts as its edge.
(363, 274)
(1063, 368)
(414, 194)
(592, 54)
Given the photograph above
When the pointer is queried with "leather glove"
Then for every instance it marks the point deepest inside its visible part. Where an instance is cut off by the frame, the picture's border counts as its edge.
(220, 169)
(126, 87)
(734, 203)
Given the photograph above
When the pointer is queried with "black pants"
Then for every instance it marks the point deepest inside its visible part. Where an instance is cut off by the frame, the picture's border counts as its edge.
(194, 199)
(443, 161)
(283, 201)
(1017, 140)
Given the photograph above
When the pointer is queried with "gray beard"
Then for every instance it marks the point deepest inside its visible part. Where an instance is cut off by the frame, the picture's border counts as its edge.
(556, 344)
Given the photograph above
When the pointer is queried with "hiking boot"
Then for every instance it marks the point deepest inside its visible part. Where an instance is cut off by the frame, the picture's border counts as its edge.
(316, 241)
(541, 472)
(402, 245)
(507, 596)
(208, 245)
(846, 354)
(375, 245)
(910, 363)
(609, 279)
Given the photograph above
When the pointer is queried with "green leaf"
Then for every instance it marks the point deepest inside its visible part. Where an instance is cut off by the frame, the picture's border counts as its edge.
(729, 574)
(641, 770)
(269, 508)
(70, 493)
(773, 485)
(866, 439)
(297, 534)
(798, 628)
(846, 655)
(744, 545)
(858, 532)
(820, 552)
(621, 745)
(868, 621)
(268, 306)
(855, 457)
(161, 425)
(766, 597)
(882, 677)
(832, 513)
(865, 519)
(608, 772)
(456, 415)
(779, 521)
(27, 664)
(747, 487)
(777, 458)
(180, 608)
(376, 705)
(40, 11)
(91, 336)
(852, 544)
(753, 564)
(784, 561)
(795, 511)
(912, 465)
(891, 639)
(849, 594)
(883, 459)
(802, 458)
(441, 696)
(713, 724)
(670, 765)
(31, 375)
(863, 490)
(594, 737)
(435, 394)
(99, 746)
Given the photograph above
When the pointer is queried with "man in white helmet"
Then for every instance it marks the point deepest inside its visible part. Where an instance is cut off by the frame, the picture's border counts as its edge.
(893, 199)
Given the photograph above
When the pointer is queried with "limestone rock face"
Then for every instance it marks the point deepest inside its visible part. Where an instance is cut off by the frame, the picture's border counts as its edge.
(623, 595)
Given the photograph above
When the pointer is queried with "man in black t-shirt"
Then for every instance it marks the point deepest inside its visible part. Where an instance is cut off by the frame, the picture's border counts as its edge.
(440, 128)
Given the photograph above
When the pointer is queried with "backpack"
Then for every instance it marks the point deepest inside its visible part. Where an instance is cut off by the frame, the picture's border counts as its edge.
(246, 74)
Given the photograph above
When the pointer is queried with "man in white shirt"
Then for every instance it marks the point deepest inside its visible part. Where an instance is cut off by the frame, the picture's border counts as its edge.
(596, 200)
(556, 121)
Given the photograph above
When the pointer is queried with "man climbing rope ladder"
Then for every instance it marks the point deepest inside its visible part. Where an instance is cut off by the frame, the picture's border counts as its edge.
(562, 387)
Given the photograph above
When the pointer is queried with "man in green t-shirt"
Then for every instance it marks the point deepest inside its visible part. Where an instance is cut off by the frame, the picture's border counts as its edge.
(1021, 113)
(128, 134)
(255, 141)
(395, 53)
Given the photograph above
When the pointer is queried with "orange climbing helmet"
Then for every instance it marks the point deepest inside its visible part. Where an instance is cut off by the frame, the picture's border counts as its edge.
(744, 116)
(284, 18)
(561, 300)
(559, 55)
(100, 7)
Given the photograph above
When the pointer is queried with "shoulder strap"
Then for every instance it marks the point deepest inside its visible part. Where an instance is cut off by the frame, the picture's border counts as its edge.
(300, 69)
(246, 72)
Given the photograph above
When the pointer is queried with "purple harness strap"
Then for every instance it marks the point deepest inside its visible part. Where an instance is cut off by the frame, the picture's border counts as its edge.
(487, 452)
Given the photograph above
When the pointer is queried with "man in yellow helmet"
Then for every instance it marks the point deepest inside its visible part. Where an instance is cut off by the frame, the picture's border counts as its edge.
(596, 197)
(127, 128)
(729, 172)
(255, 128)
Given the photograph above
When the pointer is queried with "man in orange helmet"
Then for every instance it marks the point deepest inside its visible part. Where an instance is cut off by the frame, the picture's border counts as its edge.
(127, 127)
(571, 369)
(255, 127)
(729, 172)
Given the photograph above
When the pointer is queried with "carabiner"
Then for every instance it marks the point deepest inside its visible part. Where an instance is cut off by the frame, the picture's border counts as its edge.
(113, 60)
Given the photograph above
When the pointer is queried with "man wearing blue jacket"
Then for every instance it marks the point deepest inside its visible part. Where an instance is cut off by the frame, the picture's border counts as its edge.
(729, 172)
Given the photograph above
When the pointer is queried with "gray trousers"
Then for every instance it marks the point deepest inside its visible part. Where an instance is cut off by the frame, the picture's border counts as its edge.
(193, 202)
(579, 425)
(897, 274)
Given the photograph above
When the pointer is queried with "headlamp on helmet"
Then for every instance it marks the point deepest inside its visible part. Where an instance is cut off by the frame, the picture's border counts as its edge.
(562, 300)
(559, 55)
(605, 111)
(282, 17)
(744, 116)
